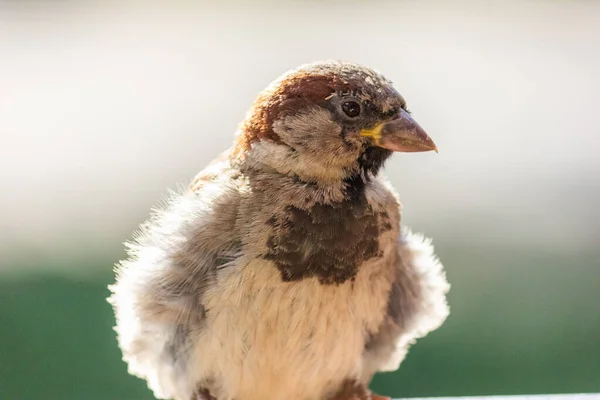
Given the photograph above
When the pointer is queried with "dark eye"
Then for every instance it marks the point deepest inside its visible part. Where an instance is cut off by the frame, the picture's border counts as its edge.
(351, 108)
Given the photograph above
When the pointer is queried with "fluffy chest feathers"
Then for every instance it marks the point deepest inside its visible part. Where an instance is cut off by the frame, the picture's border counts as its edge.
(298, 308)
(268, 337)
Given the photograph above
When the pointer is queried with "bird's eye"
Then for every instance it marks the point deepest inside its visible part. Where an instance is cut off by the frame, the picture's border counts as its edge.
(351, 108)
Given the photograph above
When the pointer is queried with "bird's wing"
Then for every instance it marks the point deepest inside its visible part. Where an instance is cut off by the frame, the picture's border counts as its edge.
(416, 306)
(158, 294)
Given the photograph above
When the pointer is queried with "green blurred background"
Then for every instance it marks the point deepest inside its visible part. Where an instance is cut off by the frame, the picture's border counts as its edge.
(103, 106)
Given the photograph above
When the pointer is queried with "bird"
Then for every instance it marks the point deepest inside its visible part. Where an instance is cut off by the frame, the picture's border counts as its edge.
(282, 271)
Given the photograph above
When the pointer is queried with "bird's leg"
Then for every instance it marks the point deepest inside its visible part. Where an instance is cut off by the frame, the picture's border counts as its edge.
(355, 391)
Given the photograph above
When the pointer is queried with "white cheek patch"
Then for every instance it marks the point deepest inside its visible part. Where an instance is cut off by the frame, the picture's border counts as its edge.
(295, 129)
(314, 145)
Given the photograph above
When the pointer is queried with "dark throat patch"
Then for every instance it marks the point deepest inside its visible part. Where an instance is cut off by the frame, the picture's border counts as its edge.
(372, 159)
(327, 241)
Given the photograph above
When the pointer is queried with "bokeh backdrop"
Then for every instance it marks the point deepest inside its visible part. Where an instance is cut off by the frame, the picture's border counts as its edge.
(106, 105)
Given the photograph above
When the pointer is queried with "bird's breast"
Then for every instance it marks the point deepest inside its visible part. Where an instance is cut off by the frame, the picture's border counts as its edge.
(268, 338)
(327, 241)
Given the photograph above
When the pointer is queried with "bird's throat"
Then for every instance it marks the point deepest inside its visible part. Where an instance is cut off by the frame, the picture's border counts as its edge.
(371, 160)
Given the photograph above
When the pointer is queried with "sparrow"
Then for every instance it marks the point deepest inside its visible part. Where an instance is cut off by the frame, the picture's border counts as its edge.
(282, 272)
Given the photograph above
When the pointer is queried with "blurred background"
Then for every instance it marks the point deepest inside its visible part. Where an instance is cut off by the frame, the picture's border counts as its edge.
(106, 105)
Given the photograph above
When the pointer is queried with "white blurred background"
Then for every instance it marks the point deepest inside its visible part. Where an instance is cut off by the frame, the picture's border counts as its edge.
(106, 105)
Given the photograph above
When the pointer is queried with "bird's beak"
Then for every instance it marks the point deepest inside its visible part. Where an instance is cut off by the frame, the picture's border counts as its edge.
(402, 134)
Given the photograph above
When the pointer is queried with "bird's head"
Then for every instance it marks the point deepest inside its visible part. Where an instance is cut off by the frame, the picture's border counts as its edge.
(328, 121)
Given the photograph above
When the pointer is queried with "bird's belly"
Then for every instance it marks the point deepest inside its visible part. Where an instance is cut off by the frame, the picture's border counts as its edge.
(269, 339)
